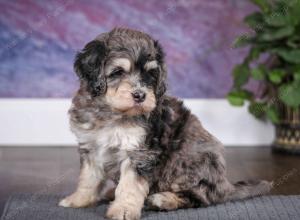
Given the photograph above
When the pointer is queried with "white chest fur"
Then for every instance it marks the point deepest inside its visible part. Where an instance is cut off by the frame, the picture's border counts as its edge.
(109, 144)
(121, 137)
(112, 144)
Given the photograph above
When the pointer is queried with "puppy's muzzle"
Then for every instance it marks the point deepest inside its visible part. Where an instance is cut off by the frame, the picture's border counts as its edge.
(139, 96)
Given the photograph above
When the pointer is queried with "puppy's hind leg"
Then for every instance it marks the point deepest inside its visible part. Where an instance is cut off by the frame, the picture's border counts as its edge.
(167, 201)
(87, 191)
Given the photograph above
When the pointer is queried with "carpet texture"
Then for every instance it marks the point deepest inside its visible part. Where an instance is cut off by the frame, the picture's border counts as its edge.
(44, 207)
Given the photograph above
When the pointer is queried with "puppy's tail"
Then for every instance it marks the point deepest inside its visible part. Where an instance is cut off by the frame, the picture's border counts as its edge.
(249, 189)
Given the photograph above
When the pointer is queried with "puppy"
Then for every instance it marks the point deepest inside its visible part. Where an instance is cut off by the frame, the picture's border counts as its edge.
(129, 131)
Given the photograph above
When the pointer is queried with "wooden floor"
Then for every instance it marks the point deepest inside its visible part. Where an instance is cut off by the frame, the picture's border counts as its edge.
(55, 170)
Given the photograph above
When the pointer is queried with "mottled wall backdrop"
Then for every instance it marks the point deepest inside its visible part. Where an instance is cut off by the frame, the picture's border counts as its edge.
(38, 40)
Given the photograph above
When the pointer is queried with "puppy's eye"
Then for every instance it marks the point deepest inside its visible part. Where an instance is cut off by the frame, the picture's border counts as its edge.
(154, 73)
(116, 73)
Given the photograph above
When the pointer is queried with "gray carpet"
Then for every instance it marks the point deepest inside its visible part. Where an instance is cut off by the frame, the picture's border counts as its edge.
(29, 207)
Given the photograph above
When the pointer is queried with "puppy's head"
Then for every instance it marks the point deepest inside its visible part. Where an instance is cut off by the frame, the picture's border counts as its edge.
(124, 68)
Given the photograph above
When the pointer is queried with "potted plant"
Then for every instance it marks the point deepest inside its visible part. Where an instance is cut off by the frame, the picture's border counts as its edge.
(273, 61)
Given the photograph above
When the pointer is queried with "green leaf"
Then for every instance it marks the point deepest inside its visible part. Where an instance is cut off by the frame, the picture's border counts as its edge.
(254, 53)
(273, 114)
(255, 21)
(276, 76)
(240, 75)
(297, 75)
(276, 19)
(294, 42)
(277, 34)
(295, 68)
(242, 41)
(290, 94)
(294, 12)
(292, 56)
(284, 13)
(258, 109)
(263, 4)
(259, 72)
(237, 98)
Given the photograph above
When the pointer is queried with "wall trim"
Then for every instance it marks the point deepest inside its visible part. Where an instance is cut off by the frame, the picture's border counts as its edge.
(44, 122)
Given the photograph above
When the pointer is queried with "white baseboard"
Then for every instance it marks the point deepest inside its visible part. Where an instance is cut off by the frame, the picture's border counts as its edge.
(44, 122)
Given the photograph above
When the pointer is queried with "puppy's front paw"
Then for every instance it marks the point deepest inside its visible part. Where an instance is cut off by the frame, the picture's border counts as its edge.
(77, 200)
(119, 211)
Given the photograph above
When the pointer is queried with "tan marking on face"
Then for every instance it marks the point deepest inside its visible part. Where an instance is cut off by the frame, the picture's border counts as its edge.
(151, 65)
(145, 107)
(119, 62)
(120, 99)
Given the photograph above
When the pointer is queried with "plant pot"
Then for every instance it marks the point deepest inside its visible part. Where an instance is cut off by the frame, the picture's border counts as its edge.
(287, 138)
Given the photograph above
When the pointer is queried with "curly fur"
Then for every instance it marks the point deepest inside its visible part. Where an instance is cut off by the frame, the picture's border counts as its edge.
(165, 152)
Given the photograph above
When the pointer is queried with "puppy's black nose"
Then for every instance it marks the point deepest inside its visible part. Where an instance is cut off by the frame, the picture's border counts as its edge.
(139, 96)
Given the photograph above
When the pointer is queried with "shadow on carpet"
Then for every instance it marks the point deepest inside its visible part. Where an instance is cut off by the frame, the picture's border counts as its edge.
(44, 207)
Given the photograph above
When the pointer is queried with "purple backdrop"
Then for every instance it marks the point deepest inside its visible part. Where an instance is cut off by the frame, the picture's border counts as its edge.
(38, 40)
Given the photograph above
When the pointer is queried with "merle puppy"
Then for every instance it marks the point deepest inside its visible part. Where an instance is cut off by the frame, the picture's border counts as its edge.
(129, 131)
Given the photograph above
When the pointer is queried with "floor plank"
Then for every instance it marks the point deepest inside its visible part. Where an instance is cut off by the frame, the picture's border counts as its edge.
(55, 170)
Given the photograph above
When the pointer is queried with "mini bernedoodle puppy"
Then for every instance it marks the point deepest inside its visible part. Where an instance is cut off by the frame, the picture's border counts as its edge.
(129, 131)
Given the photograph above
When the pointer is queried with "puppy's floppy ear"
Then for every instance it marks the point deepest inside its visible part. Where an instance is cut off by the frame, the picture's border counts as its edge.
(89, 66)
(160, 57)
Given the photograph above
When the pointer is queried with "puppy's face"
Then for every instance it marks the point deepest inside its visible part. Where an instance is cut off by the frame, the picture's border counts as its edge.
(125, 69)
(131, 85)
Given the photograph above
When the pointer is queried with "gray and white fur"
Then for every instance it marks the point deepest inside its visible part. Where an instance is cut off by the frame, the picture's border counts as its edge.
(130, 132)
